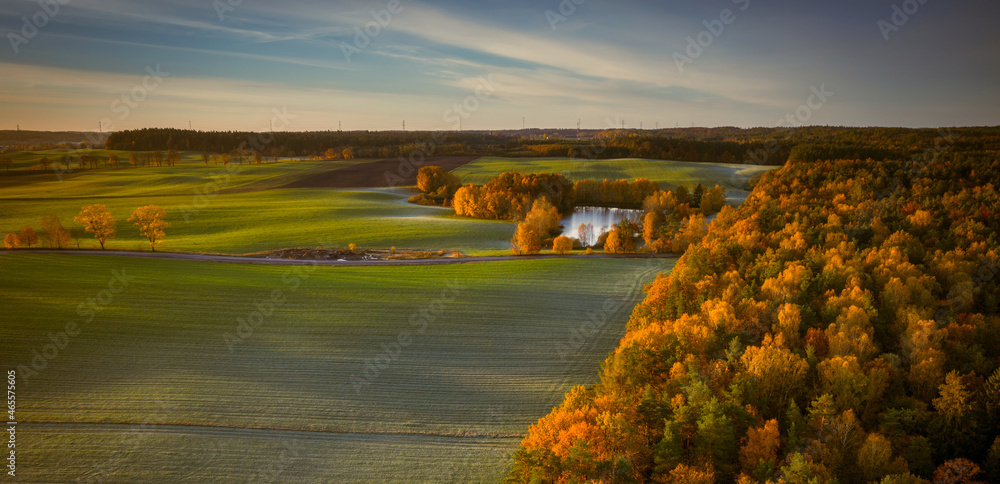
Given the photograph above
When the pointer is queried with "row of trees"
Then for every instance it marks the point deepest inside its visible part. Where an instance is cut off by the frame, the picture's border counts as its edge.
(770, 146)
(362, 144)
(618, 193)
(511, 195)
(842, 325)
(97, 220)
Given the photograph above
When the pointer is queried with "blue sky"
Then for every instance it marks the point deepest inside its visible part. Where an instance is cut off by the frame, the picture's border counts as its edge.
(603, 63)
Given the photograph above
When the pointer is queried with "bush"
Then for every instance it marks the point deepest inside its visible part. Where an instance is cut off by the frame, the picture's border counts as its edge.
(562, 245)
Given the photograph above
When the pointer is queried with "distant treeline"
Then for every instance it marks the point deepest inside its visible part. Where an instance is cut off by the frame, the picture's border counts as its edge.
(16, 140)
(762, 146)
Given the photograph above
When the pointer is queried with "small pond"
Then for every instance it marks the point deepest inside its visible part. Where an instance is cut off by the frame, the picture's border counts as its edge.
(602, 218)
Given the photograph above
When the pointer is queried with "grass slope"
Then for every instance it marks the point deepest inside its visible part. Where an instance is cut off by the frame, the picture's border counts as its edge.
(190, 174)
(319, 382)
(668, 173)
(273, 219)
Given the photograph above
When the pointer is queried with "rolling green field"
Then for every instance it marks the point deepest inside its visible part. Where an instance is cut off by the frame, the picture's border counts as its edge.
(668, 173)
(242, 211)
(363, 374)
(190, 173)
(273, 219)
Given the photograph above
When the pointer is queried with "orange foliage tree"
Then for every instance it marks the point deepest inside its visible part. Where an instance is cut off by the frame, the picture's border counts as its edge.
(150, 221)
(97, 220)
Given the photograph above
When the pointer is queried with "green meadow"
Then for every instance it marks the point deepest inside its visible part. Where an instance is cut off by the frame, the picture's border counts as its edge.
(242, 209)
(668, 173)
(247, 222)
(135, 370)
(127, 181)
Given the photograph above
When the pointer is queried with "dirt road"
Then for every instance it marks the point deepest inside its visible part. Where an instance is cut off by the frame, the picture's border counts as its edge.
(235, 259)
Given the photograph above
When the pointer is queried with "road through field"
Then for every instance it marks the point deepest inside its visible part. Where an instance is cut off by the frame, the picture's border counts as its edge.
(235, 259)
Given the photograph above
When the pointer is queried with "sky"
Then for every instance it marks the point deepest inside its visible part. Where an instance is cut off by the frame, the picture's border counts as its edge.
(303, 65)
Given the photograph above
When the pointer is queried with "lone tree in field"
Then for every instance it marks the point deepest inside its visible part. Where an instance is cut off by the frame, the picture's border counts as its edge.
(97, 220)
(562, 245)
(55, 234)
(11, 241)
(28, 236)
(150, 221)
(6, 162)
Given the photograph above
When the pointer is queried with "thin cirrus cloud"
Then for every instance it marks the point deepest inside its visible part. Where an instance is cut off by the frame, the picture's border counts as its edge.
(605, 61)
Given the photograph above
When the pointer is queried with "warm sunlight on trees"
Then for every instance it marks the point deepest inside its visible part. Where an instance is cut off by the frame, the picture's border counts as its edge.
(97, 220)
(28, 236)
(432, 179)
(621, 239)
(759, 453)
(526, 240)
(149, 220)
(56, 236)
(562, 245)
(11, 241)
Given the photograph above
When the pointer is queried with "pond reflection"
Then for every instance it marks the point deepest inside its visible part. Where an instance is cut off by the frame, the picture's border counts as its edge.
(602, 219)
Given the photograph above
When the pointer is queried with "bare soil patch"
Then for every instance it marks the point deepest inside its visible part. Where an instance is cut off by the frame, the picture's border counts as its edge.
(375, 174)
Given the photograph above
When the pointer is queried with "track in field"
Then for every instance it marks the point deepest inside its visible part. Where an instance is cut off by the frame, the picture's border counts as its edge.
(376, 174)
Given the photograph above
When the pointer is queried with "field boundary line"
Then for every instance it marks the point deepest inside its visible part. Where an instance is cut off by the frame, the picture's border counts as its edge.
(206, 428)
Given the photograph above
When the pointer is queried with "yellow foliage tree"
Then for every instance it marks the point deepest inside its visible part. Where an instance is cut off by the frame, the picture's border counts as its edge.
(875, 459)
(562, 245)
(55, 234)
(651, 227)
(777, 371)
(685, 474)
(97, 220)
(543, 218)
(11, 241)
(28, 236)
(526, 240)
(150, 221)
(789, 326)
(760, 448)
(953, 402)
